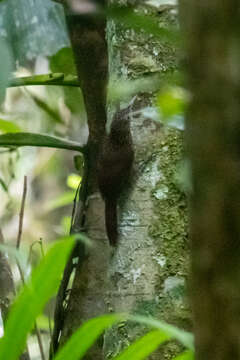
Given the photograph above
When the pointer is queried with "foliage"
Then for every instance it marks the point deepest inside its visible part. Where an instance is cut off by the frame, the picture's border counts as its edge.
(43, 284)
(31, 139)
(171, 101)
(38, 291)
(8, 126)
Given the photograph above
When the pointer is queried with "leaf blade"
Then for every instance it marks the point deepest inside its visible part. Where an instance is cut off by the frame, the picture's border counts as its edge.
(144, 346)
(184, 337)
(80, 341)
(32, 299)
(40, 140)
(9, 126)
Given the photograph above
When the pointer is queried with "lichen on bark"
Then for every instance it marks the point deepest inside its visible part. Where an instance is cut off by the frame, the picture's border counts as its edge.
(148, 271)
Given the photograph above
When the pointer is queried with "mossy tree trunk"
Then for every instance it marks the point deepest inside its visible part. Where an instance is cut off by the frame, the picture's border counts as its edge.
(149, 268)
(146, 272)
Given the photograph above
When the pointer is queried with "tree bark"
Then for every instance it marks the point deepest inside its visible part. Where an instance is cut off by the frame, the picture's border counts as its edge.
(211, 32)
(146, 272)
(149, 269)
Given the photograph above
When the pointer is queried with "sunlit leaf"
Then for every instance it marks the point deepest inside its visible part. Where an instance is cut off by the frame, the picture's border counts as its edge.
(184, 337)
(73, 181)
(172, 101)
(85, 336)
(44, 283)
(66, 224)
(43, 322)
(143, 347)
(8, 126)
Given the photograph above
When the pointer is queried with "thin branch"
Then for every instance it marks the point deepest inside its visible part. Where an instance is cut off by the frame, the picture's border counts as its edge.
(77, 223)
(26, 355)
(22, 212)
(49, 317)
(58, 79)
(39, 339)
(21, 216)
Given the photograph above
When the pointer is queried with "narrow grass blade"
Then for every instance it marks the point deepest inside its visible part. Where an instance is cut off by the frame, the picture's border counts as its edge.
(184, 337)
(143, 347)
(42, 286)
(85, 336)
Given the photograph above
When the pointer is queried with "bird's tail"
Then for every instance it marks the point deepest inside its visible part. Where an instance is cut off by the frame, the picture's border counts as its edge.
(111, 221)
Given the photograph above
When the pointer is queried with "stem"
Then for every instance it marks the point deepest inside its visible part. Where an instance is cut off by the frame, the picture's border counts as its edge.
(22, 212)
(40, 344)
(18, 265)
(27, 355)
(58, 79)
(39, 140)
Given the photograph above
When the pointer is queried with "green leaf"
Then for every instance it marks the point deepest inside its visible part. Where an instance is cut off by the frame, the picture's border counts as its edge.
(32, 139)
(172, 102)
(9, 126)
(63, 62)
(63, 200)
(43, 322)
(31, 300)
(52, 113)
(187, 355)
(85, 336)
(66, 224)
(3, 185)
(73, 181)
(184, 337)
(143, 347)
(78, 163)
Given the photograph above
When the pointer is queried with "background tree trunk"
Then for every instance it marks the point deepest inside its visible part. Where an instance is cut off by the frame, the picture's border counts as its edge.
(213, 132)
(146, 272)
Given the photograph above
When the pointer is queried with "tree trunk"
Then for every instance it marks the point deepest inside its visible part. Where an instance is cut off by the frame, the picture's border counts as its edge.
(147, 270)
(213, 132)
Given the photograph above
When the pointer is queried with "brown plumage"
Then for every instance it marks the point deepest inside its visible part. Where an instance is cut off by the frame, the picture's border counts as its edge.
(114, 167)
